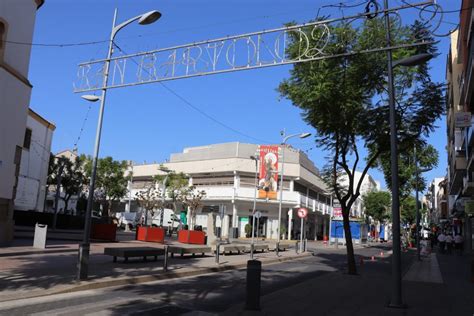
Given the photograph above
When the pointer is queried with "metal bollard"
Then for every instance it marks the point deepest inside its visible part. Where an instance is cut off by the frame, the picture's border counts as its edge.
(252, 250)
(165, 261)
(297, 246)
(305, 245)
(254, 271)
(277, 249)
(83, 263)
(472, 268)
(218, 246)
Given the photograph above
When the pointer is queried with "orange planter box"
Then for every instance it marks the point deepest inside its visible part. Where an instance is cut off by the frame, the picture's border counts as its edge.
(192, 237)
(152, 234)
(141, 233)
(104, 232)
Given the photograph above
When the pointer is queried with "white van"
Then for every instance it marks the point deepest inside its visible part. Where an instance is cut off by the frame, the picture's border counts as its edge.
(170, 219)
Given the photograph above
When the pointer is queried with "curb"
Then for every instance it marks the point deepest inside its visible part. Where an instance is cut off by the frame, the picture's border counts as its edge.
(110, 281)
(36, 252)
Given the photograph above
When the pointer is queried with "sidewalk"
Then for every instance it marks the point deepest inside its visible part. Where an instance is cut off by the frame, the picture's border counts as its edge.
(439, 285)
(28, 272)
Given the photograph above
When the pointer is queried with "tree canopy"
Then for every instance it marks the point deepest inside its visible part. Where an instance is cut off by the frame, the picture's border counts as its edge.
(345, 100)
(111, 181)
(377, 205)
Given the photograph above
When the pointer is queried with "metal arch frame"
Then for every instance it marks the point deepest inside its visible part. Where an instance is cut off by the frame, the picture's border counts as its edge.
(190, 60)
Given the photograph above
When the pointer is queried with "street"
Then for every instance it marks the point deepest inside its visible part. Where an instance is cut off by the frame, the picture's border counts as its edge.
(211, 293)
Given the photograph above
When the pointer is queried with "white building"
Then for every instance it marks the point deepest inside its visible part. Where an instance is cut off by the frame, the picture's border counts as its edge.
(227, 174)
(31, 188)
(17, 20)
(368, 185)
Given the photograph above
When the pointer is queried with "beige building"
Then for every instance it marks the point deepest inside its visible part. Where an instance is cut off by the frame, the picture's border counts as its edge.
(460, 127)
(17, 20)
(227, 174)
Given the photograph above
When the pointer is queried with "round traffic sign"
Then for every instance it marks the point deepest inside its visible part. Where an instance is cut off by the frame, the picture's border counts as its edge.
(302, 212)
(258, 214)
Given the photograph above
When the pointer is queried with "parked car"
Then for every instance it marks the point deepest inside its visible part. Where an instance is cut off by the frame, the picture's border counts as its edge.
(127, 219)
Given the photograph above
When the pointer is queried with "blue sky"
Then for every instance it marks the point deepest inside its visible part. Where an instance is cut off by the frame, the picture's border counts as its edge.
(148, 123)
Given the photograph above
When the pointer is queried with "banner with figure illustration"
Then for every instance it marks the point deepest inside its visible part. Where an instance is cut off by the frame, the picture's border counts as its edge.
(268, 178)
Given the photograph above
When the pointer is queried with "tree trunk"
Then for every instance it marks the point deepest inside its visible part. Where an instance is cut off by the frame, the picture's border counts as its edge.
(351, 264)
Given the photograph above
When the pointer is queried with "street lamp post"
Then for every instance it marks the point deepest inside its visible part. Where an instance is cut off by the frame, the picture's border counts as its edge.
(283, 143)
(396, 296)
(254, 205)
(84, 247)
(418, 215)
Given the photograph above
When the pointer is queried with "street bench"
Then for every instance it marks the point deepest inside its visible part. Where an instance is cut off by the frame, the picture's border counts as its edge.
(232, 248)
(188, 249)
(283, 246)
(130, 252)
(260, 247)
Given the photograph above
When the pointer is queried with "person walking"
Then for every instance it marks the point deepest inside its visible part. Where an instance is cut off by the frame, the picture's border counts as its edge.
(442, 242)
(449, 243)
(458, 242)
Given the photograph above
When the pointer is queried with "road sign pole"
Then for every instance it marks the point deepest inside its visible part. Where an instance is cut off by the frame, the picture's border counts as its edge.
(301, 234)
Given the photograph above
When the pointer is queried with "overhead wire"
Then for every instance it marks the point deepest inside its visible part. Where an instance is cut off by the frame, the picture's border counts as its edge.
(197, 109)
(64, 45)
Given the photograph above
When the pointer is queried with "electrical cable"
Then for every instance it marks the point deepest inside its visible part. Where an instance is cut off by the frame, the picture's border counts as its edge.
(197, 109)
(65, 45)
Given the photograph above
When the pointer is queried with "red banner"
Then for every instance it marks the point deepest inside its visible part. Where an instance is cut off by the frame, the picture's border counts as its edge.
(268, 179)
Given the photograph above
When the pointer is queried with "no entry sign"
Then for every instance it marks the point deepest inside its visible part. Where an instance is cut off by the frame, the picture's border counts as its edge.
(302, 212)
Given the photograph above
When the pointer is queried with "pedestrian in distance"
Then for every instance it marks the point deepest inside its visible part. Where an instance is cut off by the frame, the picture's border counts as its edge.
(441, 242)
(458, 242)
(449, 243)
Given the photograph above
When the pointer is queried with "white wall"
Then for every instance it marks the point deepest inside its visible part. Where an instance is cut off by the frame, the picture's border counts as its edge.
(31, 188)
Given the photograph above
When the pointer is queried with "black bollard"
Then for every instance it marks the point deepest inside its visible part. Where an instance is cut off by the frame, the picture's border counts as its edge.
(472, 268)
(217, 253)
(254, 271)
(165, 260)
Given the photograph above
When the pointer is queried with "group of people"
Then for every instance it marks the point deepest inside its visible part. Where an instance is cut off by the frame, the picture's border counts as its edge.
(446, 242)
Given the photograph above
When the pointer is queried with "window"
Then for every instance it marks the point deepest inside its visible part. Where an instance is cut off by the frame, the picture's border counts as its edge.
(27, 140)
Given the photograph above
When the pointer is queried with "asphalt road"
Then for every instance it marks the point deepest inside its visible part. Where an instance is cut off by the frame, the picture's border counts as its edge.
(208, 294)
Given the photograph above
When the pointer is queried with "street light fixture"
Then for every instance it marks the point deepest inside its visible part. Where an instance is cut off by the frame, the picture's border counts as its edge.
(396, 296)
(84, 247)
(254, 205)
(283, 143)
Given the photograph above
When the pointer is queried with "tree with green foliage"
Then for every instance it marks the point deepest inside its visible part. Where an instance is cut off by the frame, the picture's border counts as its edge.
(408, 210)
(111, 181)
(177, 186)
(377, 205)
(72, 177)
(345, 100)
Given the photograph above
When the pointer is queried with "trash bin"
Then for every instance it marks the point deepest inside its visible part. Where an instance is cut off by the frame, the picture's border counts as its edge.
(40, 236)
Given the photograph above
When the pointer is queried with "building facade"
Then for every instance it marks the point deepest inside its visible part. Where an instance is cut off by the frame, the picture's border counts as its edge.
(31, 188)
(17, 20)
(460, 127)
(226, 172)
